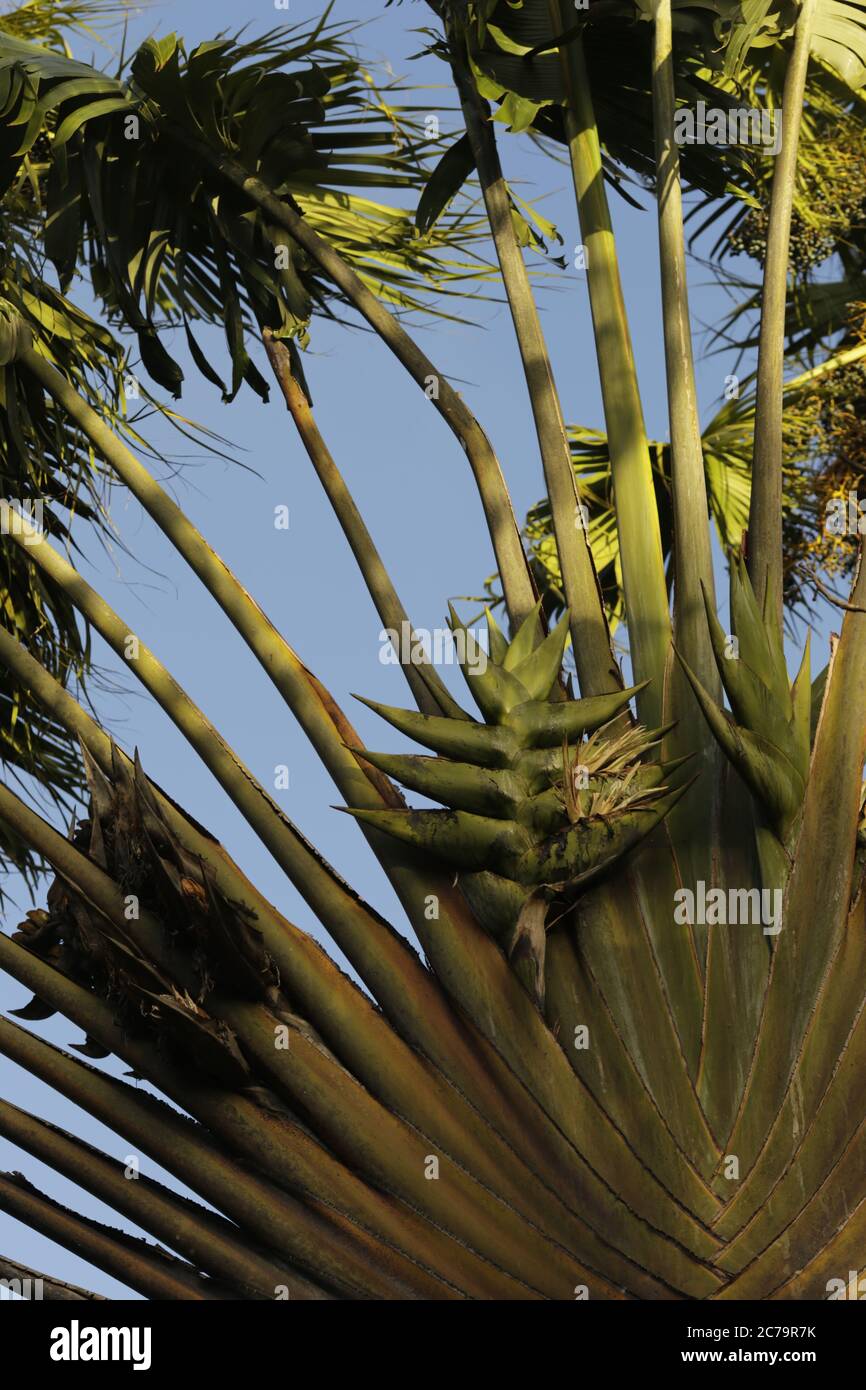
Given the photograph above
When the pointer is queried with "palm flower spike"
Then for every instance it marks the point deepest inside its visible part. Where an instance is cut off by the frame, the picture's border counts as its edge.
(514, 824)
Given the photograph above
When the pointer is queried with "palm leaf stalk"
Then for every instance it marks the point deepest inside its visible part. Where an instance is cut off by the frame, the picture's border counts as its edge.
(144, 1268)
(209, 1242)
(430, 691)
(52, 1290)
(765, 511)
(643, 571)
(596, 666)
(692, 559)
(272, 651)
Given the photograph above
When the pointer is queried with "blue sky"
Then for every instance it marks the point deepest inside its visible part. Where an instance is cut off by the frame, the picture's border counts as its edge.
(412, 483)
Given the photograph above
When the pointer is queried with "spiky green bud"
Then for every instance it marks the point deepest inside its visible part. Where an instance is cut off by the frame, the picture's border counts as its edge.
(539, 799)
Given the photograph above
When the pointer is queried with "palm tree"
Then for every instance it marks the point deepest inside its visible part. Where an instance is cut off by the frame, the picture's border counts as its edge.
(631, 1064)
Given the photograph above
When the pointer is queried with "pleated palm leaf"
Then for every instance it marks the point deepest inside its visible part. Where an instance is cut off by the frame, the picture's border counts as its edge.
(632, 1063)
(159, 179)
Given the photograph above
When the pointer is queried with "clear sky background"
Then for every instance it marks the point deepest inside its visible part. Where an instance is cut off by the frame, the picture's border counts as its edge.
(412, 482)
